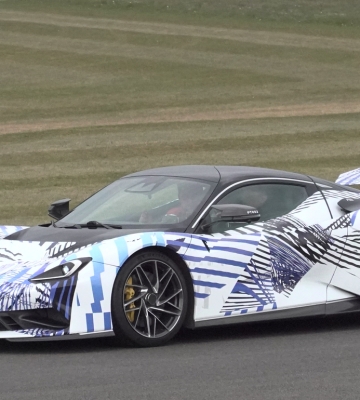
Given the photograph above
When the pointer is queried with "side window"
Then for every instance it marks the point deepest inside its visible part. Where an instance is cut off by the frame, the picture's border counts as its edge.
(271, 199)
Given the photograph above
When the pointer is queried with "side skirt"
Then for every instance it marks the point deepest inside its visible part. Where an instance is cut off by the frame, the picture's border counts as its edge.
(298, 312)
(319, 310)
(347, 306)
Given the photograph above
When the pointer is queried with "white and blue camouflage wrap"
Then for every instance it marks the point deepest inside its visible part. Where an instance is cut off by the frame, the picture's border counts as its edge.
(8, 230)
(349, 178)
(259, 268)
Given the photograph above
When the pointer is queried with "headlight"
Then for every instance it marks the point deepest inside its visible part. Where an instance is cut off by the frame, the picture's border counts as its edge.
(62, 271)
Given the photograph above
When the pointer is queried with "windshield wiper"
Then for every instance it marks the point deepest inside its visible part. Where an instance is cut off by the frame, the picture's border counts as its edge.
(90, 225)
(97, 224)
(75, 226)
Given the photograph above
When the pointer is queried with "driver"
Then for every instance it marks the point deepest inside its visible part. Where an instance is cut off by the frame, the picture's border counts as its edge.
(190, 196)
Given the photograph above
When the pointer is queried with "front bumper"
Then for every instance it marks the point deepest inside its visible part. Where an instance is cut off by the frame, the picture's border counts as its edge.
(32, 323)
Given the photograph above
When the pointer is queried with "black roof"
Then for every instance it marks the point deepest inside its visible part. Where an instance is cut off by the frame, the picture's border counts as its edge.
(206, 172)
(226, 173)
(243, 172)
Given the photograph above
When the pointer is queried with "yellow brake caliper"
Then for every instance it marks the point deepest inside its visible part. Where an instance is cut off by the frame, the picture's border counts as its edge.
(129, 294)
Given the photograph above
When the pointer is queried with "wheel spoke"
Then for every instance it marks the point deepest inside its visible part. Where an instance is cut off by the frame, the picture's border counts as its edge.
(160, 303)
(165, 311)
(158, 319)
(147, 278)
(146, 312)
(139, 296)
(135, 286)
(138, 275)
(133, 309)
(157, 282)
(167, 281)
(173, 305)
(154, 323)
(138, 315)
(164, 276)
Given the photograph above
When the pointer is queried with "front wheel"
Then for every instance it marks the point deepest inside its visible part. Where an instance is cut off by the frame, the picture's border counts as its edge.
(149, 300)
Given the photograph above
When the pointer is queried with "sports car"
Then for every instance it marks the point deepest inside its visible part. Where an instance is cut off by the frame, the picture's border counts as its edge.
(183, 247)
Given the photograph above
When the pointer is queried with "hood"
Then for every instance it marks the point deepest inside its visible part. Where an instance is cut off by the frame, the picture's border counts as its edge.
(59, 241)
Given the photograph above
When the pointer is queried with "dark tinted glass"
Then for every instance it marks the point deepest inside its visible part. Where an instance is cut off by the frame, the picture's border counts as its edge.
(271, 199)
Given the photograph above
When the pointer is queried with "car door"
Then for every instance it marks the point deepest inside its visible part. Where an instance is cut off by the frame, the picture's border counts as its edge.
(274, 273)
(344, 288)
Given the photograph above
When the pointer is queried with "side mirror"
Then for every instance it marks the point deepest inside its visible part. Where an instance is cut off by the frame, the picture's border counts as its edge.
(236, 213)
(59, 209)
(349, 205)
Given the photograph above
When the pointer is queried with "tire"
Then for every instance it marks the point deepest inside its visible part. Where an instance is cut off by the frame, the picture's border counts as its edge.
(149, 300)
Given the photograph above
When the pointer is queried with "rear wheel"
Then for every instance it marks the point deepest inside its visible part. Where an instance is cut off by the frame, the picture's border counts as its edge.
(149, 300)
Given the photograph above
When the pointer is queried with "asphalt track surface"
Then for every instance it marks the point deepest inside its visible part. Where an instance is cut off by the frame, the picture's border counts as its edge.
(303, 359)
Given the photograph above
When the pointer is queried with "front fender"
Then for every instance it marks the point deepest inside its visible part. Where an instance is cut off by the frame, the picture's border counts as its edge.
(7, 230)
(91, 306)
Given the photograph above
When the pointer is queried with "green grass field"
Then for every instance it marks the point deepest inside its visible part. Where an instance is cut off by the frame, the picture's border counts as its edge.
(93, 89)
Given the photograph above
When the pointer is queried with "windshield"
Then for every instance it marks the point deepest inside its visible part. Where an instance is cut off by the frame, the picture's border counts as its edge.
(143, 200)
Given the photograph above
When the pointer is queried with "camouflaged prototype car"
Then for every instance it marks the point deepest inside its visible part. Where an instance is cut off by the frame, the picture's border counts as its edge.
(187, 246)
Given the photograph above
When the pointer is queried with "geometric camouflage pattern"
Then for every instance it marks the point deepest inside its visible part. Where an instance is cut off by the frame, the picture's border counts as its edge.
(261, 267)
(349, 178)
